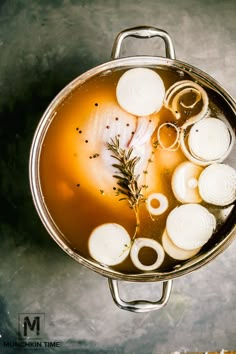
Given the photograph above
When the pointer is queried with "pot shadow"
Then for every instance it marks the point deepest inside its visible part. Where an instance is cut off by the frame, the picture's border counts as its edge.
(21, 111)
(19, 222)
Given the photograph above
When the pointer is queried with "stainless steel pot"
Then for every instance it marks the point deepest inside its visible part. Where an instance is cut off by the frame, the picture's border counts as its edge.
(225, 235)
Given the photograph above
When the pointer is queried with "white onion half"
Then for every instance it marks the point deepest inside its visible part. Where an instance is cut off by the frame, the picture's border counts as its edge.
(209, 139)
(140, 91)
(175, 252)
(109, 244)
(217, 184)
(138, 244)
(184, 182)
(190, 226)
(162, 203)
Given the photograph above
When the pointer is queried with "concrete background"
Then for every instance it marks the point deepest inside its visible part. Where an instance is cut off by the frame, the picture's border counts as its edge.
(43, 45)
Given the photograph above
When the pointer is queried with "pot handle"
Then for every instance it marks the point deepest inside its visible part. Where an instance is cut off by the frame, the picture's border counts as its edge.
(140, 305)
(143, 32)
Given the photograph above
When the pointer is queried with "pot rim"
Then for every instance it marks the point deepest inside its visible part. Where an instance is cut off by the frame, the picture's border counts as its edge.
(44, 123)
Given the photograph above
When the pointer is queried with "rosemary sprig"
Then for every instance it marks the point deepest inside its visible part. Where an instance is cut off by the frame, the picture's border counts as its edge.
(126, 178)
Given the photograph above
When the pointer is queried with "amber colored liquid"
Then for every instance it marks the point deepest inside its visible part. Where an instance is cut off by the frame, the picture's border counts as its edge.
(79, 194)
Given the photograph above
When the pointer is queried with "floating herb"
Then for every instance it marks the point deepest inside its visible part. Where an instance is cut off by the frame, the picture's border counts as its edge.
(126, 179)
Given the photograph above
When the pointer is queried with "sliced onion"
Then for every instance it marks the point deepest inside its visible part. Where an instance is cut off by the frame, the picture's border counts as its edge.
(190, 226)
(209, 139)
(180, 88)
(207, 148)
(161, 199)
(138, 244)
(176, 101)
(185, 182)
(187, 153)
(140, 91)
(198, 98)
(175, 252)
(175, 144)
(109, 244)
(217, 184)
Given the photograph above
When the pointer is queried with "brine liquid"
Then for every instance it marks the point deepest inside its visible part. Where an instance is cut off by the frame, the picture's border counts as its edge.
(79, 193)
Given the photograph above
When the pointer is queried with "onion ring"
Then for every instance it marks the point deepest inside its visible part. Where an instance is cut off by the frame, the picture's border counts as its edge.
(183, 92)
(186, 86)
(146, 242)
(172, 146)
(161, 198)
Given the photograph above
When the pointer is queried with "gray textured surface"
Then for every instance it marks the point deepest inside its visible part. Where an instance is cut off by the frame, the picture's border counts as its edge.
(45, 44)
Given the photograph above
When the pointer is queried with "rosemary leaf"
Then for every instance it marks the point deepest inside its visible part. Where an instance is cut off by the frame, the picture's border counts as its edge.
(127, 180)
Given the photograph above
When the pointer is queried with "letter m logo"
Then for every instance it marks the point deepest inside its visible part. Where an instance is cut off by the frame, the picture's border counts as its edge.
(34, 326)
(31, 325)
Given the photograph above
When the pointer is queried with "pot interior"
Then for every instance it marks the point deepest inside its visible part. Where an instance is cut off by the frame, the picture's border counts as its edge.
(69, 186)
